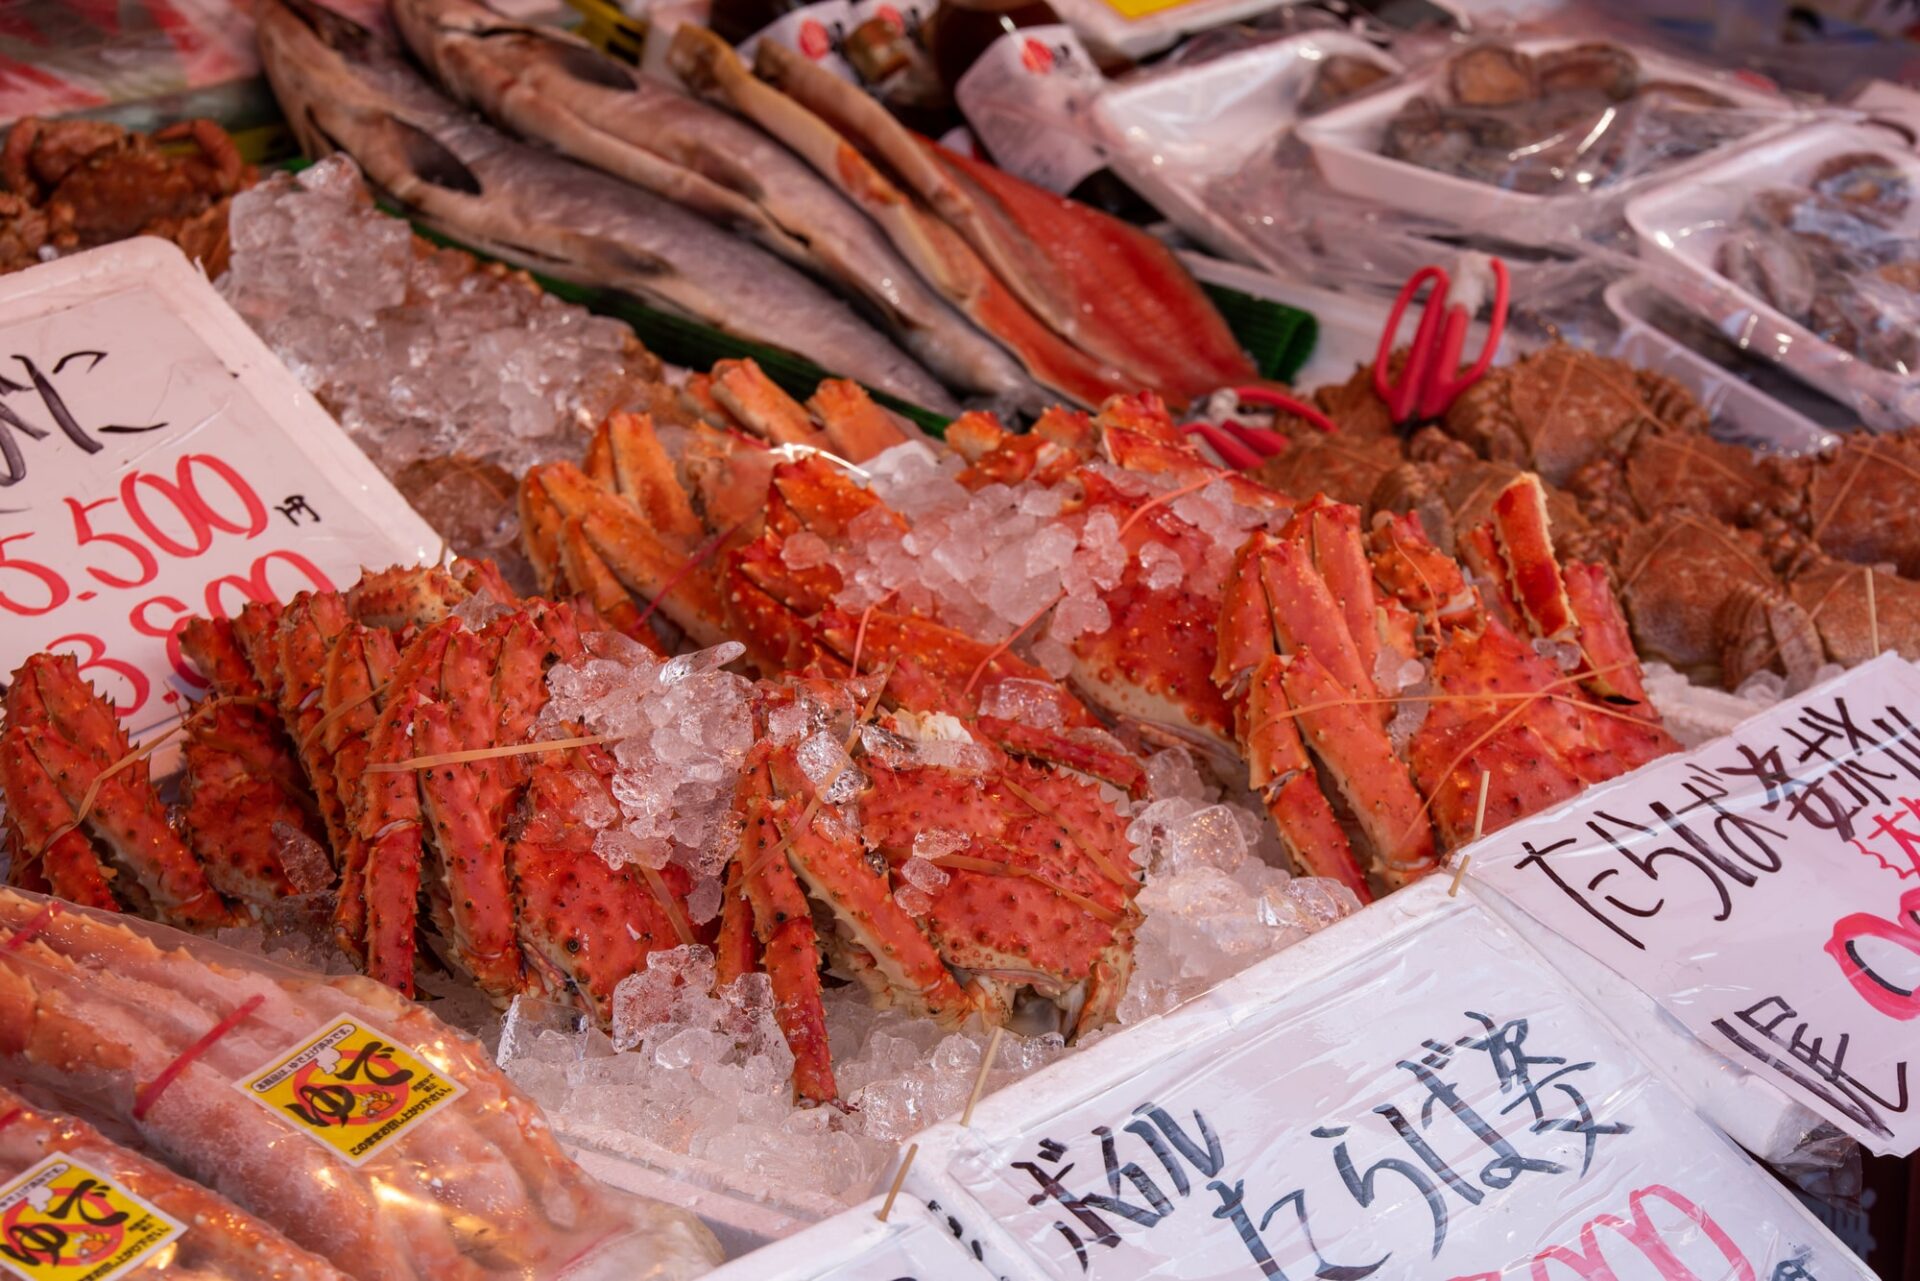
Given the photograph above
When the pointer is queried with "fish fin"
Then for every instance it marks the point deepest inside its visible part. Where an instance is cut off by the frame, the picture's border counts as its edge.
(586, 64)
(428, 158)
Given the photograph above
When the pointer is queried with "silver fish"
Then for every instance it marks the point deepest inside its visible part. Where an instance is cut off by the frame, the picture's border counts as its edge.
(345, 89)
(551, 87)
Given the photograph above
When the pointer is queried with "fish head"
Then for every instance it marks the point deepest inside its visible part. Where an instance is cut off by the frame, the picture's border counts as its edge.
(343, 87)
(481, 56)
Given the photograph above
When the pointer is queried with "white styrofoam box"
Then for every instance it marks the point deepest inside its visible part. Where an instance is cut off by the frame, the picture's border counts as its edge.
(160, 461)
(1740, 410)
(1306, 1019)
(912, 1244)
(1682, 225)
(1170, 133)
(1346, 143)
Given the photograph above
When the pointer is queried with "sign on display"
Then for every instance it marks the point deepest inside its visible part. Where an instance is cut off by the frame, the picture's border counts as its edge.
(1438, 1106)
(156, 462)
(1765, 889)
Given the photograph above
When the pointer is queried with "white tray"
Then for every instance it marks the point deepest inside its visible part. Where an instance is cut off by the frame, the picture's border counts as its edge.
(1171, 133)
(1346, 145)
(1683, 225)
(1741, 412)
(913, 1244)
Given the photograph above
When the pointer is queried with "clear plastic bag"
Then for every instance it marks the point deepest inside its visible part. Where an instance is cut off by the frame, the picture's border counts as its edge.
(71, 1197)
(349, 1118)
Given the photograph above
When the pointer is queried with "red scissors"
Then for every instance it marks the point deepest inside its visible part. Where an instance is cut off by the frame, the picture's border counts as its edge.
(1429, 382)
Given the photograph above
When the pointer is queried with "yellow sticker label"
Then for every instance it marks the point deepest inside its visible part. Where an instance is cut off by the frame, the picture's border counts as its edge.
(1134, 9)
(351, 1087)
(62, 1221)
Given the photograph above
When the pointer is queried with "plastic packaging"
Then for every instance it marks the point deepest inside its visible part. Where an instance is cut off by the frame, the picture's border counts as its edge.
(349, 1118)
(1537, 139)
(1805, 250)
(73, 1199)
(1415, 1092)
(58, 57)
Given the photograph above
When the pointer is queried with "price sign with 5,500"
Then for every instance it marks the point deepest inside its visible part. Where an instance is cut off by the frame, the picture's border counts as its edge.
(157, 462)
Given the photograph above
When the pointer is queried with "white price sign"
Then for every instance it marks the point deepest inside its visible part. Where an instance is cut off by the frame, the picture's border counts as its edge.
(156, 462)
(1765, 889)
(1436, 1105)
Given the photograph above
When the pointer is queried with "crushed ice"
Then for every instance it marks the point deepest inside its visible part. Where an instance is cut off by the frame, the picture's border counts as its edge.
(695, 1075)
(995, 560)
(420, 356)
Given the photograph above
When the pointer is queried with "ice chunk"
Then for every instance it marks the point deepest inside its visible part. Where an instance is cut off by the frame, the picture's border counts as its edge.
(804, 550)
(920, 872)
(1160, 567)
(308, 868)
(1030, 702)
(827, 766)
(1172, 773)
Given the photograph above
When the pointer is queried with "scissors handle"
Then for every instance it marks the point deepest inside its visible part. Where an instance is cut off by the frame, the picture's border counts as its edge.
(1403, 395)
(1443, 387)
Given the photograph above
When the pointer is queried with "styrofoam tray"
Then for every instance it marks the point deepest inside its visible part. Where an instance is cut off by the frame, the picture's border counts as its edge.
(1741, 412)
(1683, 225)
(1346, 145)
(1170, 133)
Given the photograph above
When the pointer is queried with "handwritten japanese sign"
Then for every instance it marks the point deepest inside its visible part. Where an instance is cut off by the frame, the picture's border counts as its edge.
(1765, 889)
(60, 1221)
(1441, 1106)
(352, 1088)
(156, 462)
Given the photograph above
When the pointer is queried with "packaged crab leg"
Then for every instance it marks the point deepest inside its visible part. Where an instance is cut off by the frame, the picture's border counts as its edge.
(73, 1198)
(363, 1127)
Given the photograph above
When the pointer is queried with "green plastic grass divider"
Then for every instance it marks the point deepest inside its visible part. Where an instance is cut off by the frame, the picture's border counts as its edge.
(1278, 337)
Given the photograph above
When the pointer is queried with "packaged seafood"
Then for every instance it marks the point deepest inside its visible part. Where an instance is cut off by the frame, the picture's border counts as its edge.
(1172, 132)
(1536, 140)
(1798, 250)
(71, 1198)
(364, 1128)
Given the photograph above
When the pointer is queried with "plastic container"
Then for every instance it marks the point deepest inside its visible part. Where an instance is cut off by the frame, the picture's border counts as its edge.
(1682, 226)
(1170, 133)
(1741, 412)
(1346, 144)
(1136, 28)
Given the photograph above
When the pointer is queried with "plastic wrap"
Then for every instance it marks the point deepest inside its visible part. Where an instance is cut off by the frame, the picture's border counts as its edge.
(1420, 1095)
(75, 1203)
(58, 57)
(1806, 250)
(351, 1119)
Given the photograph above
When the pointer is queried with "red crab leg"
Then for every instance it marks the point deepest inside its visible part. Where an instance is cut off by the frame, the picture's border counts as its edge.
(586, 573)
(35, 811)
(75, 737)
(307, 630)
(856, 428)
(463, 803)
(1331, 532)
(735, 950)
(1526, 549)
(1359, 760)
(589, 925)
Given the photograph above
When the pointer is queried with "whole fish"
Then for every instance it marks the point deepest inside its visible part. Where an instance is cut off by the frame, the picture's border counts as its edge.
(548, 86)
(345, 89)
(710, 67)
(1104, 285)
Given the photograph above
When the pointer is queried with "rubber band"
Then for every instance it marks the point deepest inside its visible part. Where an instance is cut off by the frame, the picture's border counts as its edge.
(145, 1097)
(32, 929)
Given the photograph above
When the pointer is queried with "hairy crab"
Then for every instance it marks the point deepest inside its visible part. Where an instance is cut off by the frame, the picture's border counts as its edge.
(74, 184)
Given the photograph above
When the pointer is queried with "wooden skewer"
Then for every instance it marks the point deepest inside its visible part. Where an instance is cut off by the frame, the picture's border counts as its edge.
(1479, 828)
(980, 1081)
(899, 1177)
(1873, 615)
